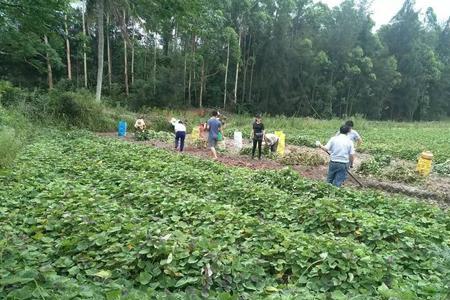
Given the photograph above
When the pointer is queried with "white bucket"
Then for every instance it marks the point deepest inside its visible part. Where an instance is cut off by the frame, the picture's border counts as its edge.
(237, 140)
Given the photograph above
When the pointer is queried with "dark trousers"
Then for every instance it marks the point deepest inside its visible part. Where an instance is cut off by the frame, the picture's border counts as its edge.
(259, 143)
(179, 140)
(274, 147)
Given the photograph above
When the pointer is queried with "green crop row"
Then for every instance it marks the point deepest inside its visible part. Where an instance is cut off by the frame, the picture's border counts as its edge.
(89, 218)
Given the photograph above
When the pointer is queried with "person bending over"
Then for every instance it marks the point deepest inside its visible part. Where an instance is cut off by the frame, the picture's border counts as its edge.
(180, 135)
(272, 141)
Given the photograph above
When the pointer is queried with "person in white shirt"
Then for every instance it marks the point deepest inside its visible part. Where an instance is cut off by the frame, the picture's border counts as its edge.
(353, 135)
(342, 151)
(271, 141)
(140, 124)
(180, 135)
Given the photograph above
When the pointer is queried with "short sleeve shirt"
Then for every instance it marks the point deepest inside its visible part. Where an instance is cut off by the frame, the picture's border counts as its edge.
(180, 127)
(340, 147)
(214, 127)
(354, 136)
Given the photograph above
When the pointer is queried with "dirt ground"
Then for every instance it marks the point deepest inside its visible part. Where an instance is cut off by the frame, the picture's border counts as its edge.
(435, 189)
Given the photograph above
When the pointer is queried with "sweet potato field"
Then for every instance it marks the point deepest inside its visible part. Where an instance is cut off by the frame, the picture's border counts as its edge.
(400, 140)
(83, 217)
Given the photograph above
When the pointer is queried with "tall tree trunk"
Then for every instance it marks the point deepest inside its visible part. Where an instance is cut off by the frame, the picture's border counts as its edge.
(101, 49)
(49, 65)
(190, 84)
(251, 78)
(132, 55)
(154, 67)
(189, 87)
(347, 102)
(247, 58)
(84, 48)
(194, 46)
(69, 63)
(184, 72)
(77, 72)
(190, 75)
(125, 53)
(144, 68)
(132, 64)
(202, 83)
(226, 76)
(108, 46)
(237, 72)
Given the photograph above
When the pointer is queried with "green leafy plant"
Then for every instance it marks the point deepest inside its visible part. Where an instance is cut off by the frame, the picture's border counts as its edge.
(9, 146)
(443, 168)
(375, 165)
(303, 157)
(93, 218)
(146, 135)
(265, 151)
(401, 173)
(160, 123)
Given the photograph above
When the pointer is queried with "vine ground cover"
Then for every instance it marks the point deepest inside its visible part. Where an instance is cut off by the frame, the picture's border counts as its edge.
(89, 218)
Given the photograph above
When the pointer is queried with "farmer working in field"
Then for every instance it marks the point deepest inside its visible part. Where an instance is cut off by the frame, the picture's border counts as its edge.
(180, 135)
(271, 141)
(341, 151)
(214, 127)
(257, 135)
(140, 124)
(353, 135)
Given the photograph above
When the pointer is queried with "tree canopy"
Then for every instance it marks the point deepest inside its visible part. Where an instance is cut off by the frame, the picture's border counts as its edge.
(275, 56)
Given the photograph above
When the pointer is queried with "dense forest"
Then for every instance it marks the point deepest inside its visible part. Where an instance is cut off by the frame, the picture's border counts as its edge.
(293, 57)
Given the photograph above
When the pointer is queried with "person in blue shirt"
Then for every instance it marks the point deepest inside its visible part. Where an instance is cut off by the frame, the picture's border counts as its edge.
(214, 126)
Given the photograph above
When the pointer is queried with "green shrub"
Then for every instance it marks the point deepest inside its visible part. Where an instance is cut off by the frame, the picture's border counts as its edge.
(161, 123)
(443, 168)
(147, 135)
(81, 110)
(301, 141)
(140, 93)
(9, 146)
(401, 173)
(10, 95)
(303, 157)
(375, 165)
(15, 119)
(65, 85)
(381, 166)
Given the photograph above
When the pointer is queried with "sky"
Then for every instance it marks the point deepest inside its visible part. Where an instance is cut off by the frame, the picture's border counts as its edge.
(384, 10)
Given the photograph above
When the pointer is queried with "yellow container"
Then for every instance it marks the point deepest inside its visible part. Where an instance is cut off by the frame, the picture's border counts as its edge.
(425, 163)
(281, 142)
(195, 135)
